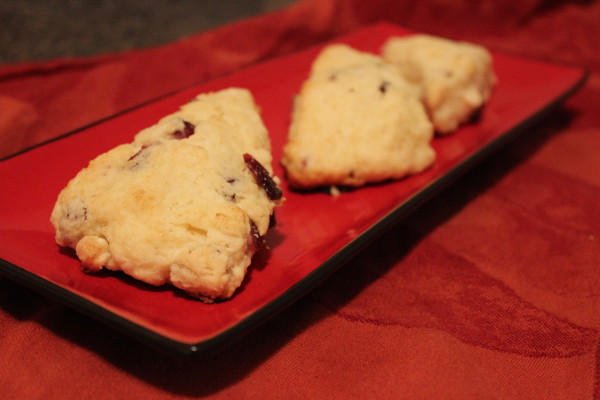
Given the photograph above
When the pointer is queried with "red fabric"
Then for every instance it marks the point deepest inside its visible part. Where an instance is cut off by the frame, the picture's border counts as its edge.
(490, 290)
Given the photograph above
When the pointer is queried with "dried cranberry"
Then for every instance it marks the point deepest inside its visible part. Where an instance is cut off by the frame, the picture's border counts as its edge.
(145, 146)
(258, 241)
(188, 130)
(263, 178)
(383, 87)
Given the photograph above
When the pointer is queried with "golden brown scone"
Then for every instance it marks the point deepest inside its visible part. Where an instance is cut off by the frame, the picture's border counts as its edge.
(356, 120)
(185, 203)
(455, 78)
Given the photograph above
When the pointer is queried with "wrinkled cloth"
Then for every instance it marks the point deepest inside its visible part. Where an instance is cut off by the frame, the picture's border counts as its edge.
(491, 290)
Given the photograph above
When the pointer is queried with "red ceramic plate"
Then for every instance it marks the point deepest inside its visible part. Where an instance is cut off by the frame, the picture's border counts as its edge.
(316, 232)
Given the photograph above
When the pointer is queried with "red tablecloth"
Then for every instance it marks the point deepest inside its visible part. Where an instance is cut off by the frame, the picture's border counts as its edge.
(489, 291)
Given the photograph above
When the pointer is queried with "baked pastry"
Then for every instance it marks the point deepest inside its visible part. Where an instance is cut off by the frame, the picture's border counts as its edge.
(356, 120)
(186, 203)
(455, 78)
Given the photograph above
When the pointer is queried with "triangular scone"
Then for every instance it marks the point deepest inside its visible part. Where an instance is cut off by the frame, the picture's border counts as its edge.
(455, 78)
(356, 120)
(187, 202)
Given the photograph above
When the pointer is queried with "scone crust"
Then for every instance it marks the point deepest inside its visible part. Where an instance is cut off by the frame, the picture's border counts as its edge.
(455, 78)
(169, 210)
(356, 120)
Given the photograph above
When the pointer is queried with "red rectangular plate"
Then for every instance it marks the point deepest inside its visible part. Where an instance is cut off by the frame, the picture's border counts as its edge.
(316, 232)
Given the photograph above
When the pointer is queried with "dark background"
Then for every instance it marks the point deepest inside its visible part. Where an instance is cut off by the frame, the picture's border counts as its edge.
(34, 30)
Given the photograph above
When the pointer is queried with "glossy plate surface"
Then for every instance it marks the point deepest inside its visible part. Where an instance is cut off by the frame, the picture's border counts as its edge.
(316, 232)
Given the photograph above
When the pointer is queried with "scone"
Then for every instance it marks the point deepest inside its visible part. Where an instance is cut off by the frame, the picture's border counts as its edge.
(356, 120)
(186, 203)
(455, 78)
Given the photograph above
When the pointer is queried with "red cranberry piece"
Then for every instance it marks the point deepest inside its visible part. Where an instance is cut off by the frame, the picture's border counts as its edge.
(188, 130)
(144, 147)
(263, 178)
(258, 241)
(272, 220)
(383, 87)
